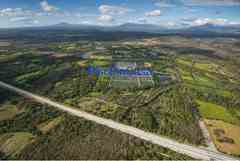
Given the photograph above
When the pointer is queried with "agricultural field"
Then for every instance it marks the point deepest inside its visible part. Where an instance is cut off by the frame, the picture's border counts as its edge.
(216, 112)
(214, 85)
(120, 80)
(196, 84)
(225, 136)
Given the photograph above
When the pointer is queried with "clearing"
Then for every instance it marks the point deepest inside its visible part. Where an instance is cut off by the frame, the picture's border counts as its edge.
(8, 112)
(45, 127)
(11, 144)
(225, 136)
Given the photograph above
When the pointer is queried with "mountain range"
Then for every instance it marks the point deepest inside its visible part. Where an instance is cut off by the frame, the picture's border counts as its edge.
(151, 28)
(202, 30)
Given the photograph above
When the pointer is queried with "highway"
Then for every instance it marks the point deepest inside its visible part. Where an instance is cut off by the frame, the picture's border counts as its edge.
(190, 150)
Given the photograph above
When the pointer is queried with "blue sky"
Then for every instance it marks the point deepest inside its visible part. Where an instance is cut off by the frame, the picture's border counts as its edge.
(168, 13)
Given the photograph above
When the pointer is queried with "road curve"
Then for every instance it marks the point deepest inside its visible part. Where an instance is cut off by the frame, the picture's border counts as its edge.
(192, 151)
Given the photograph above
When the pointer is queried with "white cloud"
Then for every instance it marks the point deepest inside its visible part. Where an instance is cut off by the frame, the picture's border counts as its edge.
(172, 3)
(13, 12)
(17, 19)
(211, 2)
(35, 21)
(6, 12)
(24, 20)
(154, 13)
(107, 9)
(171, 24)
(85, 22)
(204, 21)
(164, 3)
(47, 7)
(234, 23)
(105, 18)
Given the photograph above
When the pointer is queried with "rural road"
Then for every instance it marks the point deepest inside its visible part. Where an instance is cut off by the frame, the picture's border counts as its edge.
(192, 151)
(206, 134)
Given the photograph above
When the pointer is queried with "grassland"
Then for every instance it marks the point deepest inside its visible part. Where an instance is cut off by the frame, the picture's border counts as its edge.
(8, 112)
(216, 112)
(211, 82)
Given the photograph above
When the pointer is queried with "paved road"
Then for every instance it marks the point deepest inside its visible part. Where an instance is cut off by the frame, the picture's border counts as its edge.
(195, 152)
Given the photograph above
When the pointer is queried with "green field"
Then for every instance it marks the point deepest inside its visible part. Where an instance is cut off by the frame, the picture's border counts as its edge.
(123, 84)
(100, 63)
(216, 112)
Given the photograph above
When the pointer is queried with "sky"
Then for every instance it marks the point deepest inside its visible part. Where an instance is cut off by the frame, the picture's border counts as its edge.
(166, 13)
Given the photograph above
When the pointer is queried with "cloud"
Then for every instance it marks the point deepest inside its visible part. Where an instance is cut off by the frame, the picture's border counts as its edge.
(24, 20)
(17, 19)
(107, 9)
(234, 23)
(20, 12)
(204, 21)
(154, 13)
(35, 21)
(47, 7)
(211, 2)
(7, 12)
(164, 3)
(106, 18)
(86, 22)
(174, 3)
(13, 12)
(170, 24)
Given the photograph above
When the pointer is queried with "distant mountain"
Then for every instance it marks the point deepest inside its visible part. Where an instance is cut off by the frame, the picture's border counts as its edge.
(62, 24)
(215, 28)
(203, 30)
(128, 27)
(150, 28)
(140, 28)
(65, 26)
